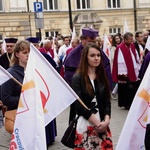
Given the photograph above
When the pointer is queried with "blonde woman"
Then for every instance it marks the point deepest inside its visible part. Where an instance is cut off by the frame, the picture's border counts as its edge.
(10, 89)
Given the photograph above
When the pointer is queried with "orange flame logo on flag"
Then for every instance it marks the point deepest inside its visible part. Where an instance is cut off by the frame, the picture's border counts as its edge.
(144, 117)
(29, 85)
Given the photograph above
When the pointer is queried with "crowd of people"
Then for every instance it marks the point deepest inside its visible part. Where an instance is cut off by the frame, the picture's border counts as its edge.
(94, 77)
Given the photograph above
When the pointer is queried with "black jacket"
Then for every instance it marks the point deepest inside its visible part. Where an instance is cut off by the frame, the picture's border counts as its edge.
(137, 47)
(4, 62)
(103, 101)
(11, 90)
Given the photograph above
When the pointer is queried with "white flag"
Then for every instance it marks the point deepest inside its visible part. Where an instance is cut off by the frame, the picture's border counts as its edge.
(44, 95)
(81, 27)
(106, 46)
(4, 75)
(73, 36)
(147, 46)
(126, 28)
(133, 132)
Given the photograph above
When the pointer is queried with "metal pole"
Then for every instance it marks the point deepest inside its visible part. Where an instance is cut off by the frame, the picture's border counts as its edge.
(70, 15)
(40, 34)
(135, 15)
(29, 16)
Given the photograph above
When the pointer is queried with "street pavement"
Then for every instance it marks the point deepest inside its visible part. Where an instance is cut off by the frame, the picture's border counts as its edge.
(117, 120)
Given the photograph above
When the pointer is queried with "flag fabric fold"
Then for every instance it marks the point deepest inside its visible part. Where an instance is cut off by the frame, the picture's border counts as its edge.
(44, 95)
(106, 46)
(133, 132)
(4, 75)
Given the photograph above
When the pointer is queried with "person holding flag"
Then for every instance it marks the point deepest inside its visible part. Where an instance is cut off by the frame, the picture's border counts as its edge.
(4, 76)
(10, 89)
(5, 58)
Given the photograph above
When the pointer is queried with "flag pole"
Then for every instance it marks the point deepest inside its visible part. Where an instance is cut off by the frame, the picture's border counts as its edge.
(81, 102)
(17, 81)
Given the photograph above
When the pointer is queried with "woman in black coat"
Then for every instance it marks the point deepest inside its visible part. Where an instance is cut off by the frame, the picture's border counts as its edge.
(91, 85)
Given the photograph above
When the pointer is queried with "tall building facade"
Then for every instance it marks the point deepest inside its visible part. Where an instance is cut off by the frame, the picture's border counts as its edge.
(17, 17)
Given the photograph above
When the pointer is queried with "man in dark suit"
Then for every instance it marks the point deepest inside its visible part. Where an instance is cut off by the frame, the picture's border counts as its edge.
(139, 44)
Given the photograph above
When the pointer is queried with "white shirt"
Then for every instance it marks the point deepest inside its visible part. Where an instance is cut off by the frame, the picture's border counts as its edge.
(122, 68)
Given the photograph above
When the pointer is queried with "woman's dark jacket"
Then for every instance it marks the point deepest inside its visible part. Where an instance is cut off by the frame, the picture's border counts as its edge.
(11, 90)
(103, 101)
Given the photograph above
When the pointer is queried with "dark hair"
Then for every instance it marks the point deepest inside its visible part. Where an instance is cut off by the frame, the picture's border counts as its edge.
(100, 71)
(85, 37)
(65, 37)
(137, 33)
(127, 35)
(114, 40)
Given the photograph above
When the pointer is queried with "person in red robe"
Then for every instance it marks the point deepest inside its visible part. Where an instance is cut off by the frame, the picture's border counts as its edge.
(47, 48)
(125, 71)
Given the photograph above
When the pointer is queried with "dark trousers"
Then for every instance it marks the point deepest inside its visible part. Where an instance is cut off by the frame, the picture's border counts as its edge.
(147, 137)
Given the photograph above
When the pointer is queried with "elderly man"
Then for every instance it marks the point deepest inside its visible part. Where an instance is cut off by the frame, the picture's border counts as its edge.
(75, 42)
(72, 60)
(35, 42)
(47, 48)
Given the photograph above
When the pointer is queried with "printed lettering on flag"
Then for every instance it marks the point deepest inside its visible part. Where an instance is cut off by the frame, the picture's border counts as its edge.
(29, 129)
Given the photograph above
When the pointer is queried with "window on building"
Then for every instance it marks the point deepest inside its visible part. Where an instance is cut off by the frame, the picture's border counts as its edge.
(113, 3)
(18, 5)
(51, 33)
(83, 4)
(1, 5)
(50, 4)
(114, 30)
